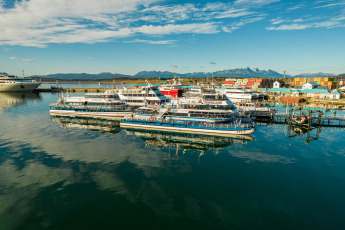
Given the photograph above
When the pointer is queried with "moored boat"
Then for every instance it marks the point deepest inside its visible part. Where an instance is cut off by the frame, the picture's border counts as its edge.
(207, 107)
(148, 94)
(9, 83)
(204, 128)
(239, 93)
(173, 90)
(101, 105)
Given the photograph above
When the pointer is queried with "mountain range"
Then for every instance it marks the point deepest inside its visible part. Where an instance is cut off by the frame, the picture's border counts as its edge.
(230, 73)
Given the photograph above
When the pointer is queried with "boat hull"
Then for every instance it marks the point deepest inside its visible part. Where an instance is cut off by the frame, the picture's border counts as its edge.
(19, 87)
(104, 115)
(238, 96)
(173, 93)
(191, 130)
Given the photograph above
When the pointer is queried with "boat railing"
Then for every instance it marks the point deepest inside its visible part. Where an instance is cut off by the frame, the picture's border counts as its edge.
(335, 116)
(194, 124)
(91, 107)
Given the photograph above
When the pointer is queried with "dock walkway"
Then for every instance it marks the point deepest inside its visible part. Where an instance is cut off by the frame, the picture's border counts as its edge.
(327, 121)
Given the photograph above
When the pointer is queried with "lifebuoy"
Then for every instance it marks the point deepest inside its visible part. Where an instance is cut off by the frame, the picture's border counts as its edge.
(204, 123)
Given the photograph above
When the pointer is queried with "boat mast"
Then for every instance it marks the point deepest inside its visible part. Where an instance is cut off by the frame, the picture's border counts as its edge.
(57, 83)
(114, 80)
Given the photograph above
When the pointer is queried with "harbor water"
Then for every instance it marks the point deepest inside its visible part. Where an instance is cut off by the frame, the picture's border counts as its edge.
(64, 173)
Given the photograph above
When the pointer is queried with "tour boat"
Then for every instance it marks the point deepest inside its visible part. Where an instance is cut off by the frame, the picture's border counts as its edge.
(102, 105)
(173, 90)
(146, 95)
(10, 83)
(204, 128)
(208, 107)
(253, 108)
(238, 93)
(199, 89)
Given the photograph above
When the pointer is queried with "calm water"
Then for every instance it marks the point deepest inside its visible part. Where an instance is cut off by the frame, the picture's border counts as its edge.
(88, 174)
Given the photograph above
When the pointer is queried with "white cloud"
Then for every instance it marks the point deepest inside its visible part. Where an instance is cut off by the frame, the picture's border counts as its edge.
(233, 13)
(162, 42)
(261, 2)
(199, 28)
(23, 59)
(312, 23)
(239, 24)
(38, 22)
(289, 27)
(276, 21)
(41, 22)
(296, 7)
(331, 5)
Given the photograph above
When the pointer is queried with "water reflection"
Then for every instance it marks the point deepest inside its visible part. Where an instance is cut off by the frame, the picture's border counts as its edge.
(303, 133)
(11, 99)
(186, 141)
(71, 173)
(89, 123)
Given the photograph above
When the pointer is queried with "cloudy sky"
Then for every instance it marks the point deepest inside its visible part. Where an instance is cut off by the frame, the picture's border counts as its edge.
(127, 36)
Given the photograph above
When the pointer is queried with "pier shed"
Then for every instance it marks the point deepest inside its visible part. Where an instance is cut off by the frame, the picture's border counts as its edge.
(310, 85)
(280, 91)
(321, 93)
(335, 94)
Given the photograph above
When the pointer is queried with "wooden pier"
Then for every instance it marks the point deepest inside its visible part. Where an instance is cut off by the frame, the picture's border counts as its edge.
(327, 121)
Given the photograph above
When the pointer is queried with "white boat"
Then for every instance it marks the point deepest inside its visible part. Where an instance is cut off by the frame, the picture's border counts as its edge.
(10, 83)
(208, 107)
(146, 95)
(199, 90)
(204, 128)
(253, 109)
(238, 93)
(173, 90)
(100, 105)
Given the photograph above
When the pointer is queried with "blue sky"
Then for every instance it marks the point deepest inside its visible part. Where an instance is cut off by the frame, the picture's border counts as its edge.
(128, 36)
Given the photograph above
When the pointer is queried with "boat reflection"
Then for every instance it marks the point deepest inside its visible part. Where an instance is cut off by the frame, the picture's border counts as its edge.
(187, 141)
(89, 123)
(11, 99)
(303, 133)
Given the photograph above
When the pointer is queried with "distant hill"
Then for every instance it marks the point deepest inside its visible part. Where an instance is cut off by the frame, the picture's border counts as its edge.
(81, 76)
(230, 73)
(313, 75)
(3, 73)
(342, 76)
(243, 72)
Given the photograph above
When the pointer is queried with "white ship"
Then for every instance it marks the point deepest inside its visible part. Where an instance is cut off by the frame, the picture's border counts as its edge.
(10, 83)
(100, 105)
(147, 95)
(238, 93)
(207, 107)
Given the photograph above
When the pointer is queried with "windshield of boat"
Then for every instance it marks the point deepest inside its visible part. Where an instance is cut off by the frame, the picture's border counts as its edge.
(215, 97)
(102, 96)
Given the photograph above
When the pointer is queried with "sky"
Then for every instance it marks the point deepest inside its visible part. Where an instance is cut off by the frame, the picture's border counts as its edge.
(127, 36)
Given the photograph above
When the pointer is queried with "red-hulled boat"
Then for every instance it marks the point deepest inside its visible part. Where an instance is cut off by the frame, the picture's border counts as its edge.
(174, 90)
